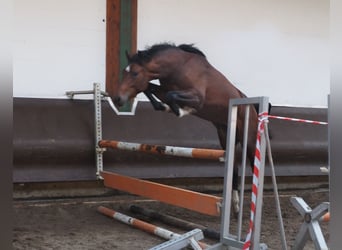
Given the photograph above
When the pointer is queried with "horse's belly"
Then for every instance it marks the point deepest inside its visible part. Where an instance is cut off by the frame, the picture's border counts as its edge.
(215, 114)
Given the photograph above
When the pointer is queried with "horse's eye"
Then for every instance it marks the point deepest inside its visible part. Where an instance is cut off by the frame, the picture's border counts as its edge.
(134, 74)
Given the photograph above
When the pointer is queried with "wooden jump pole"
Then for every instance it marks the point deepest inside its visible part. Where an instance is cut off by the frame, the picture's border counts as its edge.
(147, 227)
(174, 221)
(202, 203)
(325, 217)
(199, 153)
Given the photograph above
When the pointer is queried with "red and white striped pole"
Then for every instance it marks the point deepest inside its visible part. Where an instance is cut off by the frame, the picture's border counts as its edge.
(199, 153)
(325, 217)
(297, 120)
(257, 161)
(147, 227)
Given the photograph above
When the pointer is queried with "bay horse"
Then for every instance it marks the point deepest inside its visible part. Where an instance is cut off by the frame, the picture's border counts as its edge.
(189, 84)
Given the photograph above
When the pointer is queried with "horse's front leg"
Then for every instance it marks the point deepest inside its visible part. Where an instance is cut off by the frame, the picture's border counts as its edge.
(157, 105)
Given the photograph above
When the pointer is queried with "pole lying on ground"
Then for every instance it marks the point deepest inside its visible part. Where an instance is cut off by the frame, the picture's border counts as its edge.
(147, 227)
(174, 221)
(325, 217)
(198, 153)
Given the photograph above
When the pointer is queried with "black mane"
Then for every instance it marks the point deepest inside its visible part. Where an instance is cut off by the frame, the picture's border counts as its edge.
(143, 56)
(191, 48)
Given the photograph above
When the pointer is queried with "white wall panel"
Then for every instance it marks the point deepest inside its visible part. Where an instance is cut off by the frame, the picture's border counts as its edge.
(58, 46)
(266, 47)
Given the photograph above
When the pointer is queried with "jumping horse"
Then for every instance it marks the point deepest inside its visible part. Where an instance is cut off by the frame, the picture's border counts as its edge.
(189, 84)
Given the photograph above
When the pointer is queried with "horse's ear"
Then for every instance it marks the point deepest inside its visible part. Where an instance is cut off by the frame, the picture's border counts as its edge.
(128, 56)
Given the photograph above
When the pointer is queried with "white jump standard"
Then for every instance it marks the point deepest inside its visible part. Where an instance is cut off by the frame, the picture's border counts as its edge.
(310, 226)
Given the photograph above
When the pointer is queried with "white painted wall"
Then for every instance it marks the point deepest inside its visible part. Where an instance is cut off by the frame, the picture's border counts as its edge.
(266, 47)
(58, 46)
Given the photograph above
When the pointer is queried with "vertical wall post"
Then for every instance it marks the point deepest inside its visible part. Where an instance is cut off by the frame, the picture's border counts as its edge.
(121, 36)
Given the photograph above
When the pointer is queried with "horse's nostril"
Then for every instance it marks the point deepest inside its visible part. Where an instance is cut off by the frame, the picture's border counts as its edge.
(117, 100)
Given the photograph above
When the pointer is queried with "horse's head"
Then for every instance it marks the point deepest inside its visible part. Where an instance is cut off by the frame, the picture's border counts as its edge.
(135, 78)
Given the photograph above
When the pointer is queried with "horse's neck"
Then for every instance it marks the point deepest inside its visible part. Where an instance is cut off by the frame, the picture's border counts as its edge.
(163, 67)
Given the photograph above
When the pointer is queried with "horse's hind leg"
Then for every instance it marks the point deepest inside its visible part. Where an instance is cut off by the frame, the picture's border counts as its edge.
(252, 136)
(222, 134)
(235, 192)
(183, 102)
(179, 102)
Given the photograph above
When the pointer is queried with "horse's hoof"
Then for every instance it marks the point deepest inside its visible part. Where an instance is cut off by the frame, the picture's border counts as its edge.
(236, 209)
(235, 202)
(166, 107)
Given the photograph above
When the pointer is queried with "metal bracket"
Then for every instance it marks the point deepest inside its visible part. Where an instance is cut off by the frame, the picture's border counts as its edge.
(71, 94)
(310, 226)
(184, 240)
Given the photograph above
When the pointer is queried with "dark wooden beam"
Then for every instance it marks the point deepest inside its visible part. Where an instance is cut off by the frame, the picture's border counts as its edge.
(112, 45)
(121, 35)
(134, 18)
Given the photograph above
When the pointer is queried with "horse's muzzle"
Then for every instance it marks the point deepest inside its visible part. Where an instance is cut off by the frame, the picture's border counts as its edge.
(121, 100)
(118, 101)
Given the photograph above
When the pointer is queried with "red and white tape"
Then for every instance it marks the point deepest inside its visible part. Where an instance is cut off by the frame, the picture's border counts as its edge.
(297, 120)
(257, 160)
(263, 117)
